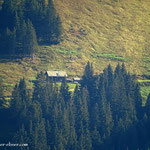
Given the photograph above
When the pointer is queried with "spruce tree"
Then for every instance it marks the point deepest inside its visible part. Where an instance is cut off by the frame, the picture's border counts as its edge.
(30, 39)
(64, 90)
(108, 73)
(20, 104)
(106, 122)
(147, 106)
(1, 95)
(84, 107)
(95, 117)
(16, 102)
(7, 14)
(89, 81)
(18, 17)
(21, 137)
(138, 102)
(87, 77)
(8, 42)
(96, 139)
(40, 133)
(38, 93)
(51, 30)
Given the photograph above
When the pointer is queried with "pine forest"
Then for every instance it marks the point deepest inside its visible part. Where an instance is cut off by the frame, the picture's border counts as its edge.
(103, 113)
(27, 23)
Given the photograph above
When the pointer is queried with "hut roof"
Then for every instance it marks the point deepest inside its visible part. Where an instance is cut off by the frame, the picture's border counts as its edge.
(56, 74)
(77, 79)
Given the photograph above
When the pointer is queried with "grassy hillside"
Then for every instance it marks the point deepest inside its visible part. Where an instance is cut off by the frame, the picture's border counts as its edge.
(101, 31)
(108, 28)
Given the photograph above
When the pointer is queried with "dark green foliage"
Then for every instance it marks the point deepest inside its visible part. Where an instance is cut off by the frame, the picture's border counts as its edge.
(21, 137)
(8, 41)
(49, 24)
(103, 113)
(1, 95)
(147, 107)
(20, 41)
(26, 40)
(64, 90)
(19, 97)
(87, 78)
(138, 102)
(24, 22)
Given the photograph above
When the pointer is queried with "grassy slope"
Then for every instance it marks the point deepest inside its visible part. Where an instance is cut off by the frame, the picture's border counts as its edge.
(121, 28)
(102, 31)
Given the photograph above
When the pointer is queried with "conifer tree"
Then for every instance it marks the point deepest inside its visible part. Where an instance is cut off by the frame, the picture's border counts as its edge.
(64, 90)
(138, 102)
(40, 135)
(106, 122)
(95, 117)
(20, 104)
(39, 84)
(96, 139)
(108, 73)
(90, 82)
(147, 107)
(51, 30)
(84, 107)
(77, 110)
(16, 99)
(16, 15)
(43, 93)
(21, 137)
(1, 95)
(84, 139)
(72, 139)
(8, 42)
(6, 15)
(87, 76)
(30, 39)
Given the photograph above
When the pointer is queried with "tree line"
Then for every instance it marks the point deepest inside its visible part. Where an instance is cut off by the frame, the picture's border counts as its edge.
(104, 112)
(25, 24)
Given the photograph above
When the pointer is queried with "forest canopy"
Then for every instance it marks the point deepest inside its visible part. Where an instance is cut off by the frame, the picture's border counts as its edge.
(104, 112)
(25, 24)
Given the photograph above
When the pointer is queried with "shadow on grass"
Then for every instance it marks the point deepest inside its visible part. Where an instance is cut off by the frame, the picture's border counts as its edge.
(12, 58)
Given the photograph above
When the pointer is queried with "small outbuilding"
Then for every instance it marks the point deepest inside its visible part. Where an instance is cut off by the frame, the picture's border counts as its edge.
(56, 75)
(76, 80)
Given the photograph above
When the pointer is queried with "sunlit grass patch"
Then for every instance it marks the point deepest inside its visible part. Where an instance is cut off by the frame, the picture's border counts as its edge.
(111, 57)
(7, 98)
(9, 84)
(144, 90)
(71, 87)
(144, 81)
(63, 50)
